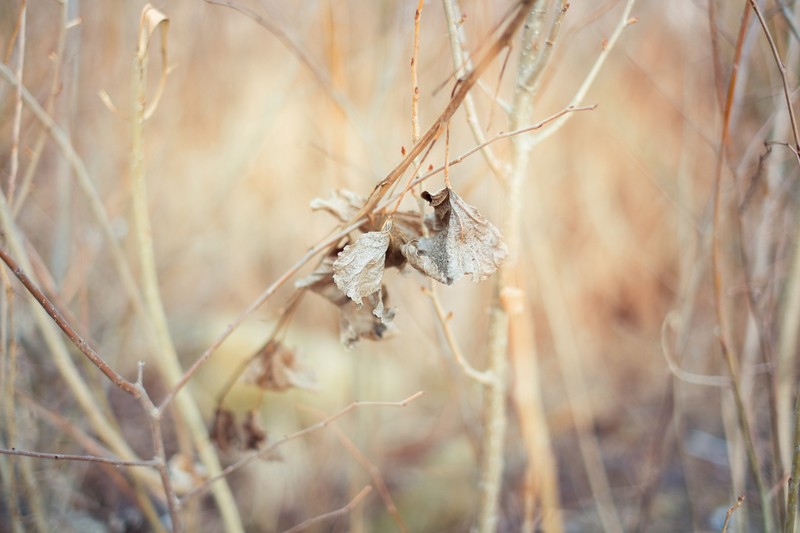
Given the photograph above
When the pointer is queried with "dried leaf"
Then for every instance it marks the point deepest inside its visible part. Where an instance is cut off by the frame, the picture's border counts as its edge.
(342, 204)
(358, 322)
(254, 433)
(461, 242)
(223, 430)
(277, 368)
(371, 321)
(358, 271)
(406, 227)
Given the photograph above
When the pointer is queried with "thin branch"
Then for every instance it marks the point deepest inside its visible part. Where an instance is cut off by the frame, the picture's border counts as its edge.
(333, 514)
(725, 338)
(784, 77)
(580, 94)
(484, 378)
(17, 122)
(462, 62)
(266, 451)
(68, 330)
(730, 512)
(414, 84)
(167, 361)
(789, 17)
(461, 90)
(85, 458)
(674, 367)
(374, 472)
(295, 48)
(135, 390)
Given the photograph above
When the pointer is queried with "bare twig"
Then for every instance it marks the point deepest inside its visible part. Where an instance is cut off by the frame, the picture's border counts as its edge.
(462, 63)
(70, 457)
(62, 323)
(461, 90)
(730, 512)
(295, 48)
(784, 77)
(167, 360)
(333, 514)
(580, 94)
(268, 450)
(17, 122)
(374, 472)
(484, 378)
(725, 336)
(414, 84)
(135, 390)
(8, 341)
(674, 367)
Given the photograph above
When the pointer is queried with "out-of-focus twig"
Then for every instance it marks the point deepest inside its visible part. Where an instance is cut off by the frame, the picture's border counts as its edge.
(484, 378)
(789, 18)
(625, 21)
(725, 337)
(268, 450)
(295, 48)
(784, 77)
(71, 457)
(62, 323)
(168, 364)
(17, 121)
(136, 390)
(462, 64)
(374, 473)
(459, 93)
(333, 514)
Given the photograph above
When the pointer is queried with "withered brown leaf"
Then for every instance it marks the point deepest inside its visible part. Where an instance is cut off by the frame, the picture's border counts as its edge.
(371, 321)
(254, 433)
(359, 322)
(342, 204)
(461, 242)
(358, 271)
(277, 368)
(223, 430)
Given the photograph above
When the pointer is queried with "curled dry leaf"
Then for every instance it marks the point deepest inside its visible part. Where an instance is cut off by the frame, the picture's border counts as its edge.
(321, 282)
(254, 433)
(342, 204)
(461, 242)
(406, 228)
(223, 430)
(372, 321)
(358, 322)
(277, 368)
(358, 271)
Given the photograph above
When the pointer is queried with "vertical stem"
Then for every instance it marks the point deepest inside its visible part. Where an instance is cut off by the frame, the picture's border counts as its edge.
(167, 359)
(495, 415)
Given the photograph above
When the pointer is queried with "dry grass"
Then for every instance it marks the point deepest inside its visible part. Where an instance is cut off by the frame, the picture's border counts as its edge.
(245, 136)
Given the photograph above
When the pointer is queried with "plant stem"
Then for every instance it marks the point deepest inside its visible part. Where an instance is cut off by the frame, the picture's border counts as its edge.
(495, 416)
(167, 359)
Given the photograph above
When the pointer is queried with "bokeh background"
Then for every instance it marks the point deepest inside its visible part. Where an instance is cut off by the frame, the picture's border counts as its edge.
(616, 256)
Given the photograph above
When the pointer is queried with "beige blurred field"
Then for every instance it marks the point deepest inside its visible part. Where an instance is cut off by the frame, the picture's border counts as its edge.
(616, 256)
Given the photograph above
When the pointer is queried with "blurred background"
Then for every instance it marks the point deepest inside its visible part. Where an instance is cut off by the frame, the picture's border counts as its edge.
(620, 320)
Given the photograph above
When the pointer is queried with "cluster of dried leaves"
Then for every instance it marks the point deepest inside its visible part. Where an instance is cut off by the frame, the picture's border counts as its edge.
(453, 241)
